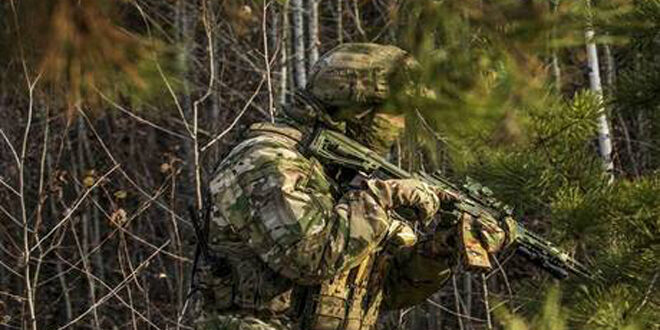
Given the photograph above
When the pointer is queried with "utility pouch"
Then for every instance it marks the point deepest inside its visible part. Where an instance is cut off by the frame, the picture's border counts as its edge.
(473, 254)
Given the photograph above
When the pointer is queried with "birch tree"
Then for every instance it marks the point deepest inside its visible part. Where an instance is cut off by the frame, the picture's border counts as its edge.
(300, 74)
(313, 31)
(285, 40)
(604, 137)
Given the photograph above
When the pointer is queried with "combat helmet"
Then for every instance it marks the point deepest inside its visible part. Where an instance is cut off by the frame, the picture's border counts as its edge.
(353, 81)
(355, 74)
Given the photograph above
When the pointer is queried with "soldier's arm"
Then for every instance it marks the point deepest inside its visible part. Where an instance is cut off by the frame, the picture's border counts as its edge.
(280, 204)
(419, 271)
(416, 272)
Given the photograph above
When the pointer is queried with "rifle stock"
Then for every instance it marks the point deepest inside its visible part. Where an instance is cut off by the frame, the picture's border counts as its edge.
(473, 199)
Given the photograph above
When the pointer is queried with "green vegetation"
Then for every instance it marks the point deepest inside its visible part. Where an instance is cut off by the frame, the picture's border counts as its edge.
(498, 119)
(506, 102)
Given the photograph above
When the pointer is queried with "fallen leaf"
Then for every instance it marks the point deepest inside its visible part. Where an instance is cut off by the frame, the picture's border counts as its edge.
(118, 217)
(120, 194)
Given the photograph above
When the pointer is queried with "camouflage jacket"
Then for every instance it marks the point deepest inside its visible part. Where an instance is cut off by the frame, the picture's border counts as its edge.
(281, 225)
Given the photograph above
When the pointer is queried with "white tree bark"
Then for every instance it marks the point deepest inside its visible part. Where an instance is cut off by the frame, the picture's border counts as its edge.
(340, 21)
(284, 52)
(604, 137)
(313, 31)
(556, 71)
(300, 78)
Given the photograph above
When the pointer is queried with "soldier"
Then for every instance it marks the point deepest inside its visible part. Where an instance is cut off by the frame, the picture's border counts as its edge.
(297, 244)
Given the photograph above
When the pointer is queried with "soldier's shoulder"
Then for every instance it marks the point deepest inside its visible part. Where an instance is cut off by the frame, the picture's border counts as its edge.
(264, 143)
(268, 140)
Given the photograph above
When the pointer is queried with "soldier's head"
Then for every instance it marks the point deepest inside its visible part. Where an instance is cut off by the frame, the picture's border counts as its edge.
(357, 83)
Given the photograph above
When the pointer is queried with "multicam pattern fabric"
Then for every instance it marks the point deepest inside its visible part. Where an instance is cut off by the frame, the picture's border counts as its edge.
(358, 74)
(281, 205)
(279, 222)
(241, 322)
(289, 249)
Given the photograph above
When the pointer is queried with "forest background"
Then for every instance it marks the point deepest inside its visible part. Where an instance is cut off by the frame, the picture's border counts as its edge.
(113, 113)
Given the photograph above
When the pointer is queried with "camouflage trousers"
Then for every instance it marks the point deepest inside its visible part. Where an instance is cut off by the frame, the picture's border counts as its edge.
(241, 322)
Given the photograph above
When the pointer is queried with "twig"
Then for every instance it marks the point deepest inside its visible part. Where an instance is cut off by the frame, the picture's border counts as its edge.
(161, 73)
(87, 271)
(456, 301)
(468, 317)
(238, 117)
(9, 187)
(267, 62)
(13, 219)
(126, 176)
(647, 294)
(489, 323)
(100, 281)
(75, 207)
(506, 279)
(10, 269)
(31, 84)
(430, 129)
(138, 118)
(117, 288)
(11, 148)
(209, 90)
(356, 18)
(12, 296)
(141, 209)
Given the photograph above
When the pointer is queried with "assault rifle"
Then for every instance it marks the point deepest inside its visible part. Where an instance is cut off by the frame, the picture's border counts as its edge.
(472, 199)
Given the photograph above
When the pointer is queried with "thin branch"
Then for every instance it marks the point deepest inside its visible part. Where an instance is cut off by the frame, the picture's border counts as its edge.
(647, 294)
(11, 217)
(356, 19)
(456, 301)
(72, 210)
(489, 322)
(117, 288)
(11, 148)
(121, 170)
(138, 118)
(461, 316)
(10, 269)
(240, 114)
(9, 187)
(100, 281)
(209, 90)
(162, 74)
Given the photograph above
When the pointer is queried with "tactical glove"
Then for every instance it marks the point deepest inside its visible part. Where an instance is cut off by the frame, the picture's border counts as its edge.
(406, 195)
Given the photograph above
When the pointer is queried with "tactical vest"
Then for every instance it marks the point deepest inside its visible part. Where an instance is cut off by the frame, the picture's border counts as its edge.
(240, 284)
(352, 300)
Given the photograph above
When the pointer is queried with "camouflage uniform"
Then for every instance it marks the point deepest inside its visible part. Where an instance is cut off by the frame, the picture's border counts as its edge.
(292, 248)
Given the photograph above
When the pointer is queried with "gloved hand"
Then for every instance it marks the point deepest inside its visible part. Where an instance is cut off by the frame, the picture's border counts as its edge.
(483, 236)
(495, 236)
(407, 193)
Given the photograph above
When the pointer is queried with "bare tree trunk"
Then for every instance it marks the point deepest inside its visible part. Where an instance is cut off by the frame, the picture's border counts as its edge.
(300, 78)
(216, 98)
(184, 21)
(610, 78)
(340, 21)
(313, 31)
(610, 70)
(556, 71)
(284, 49)
(604, 138)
